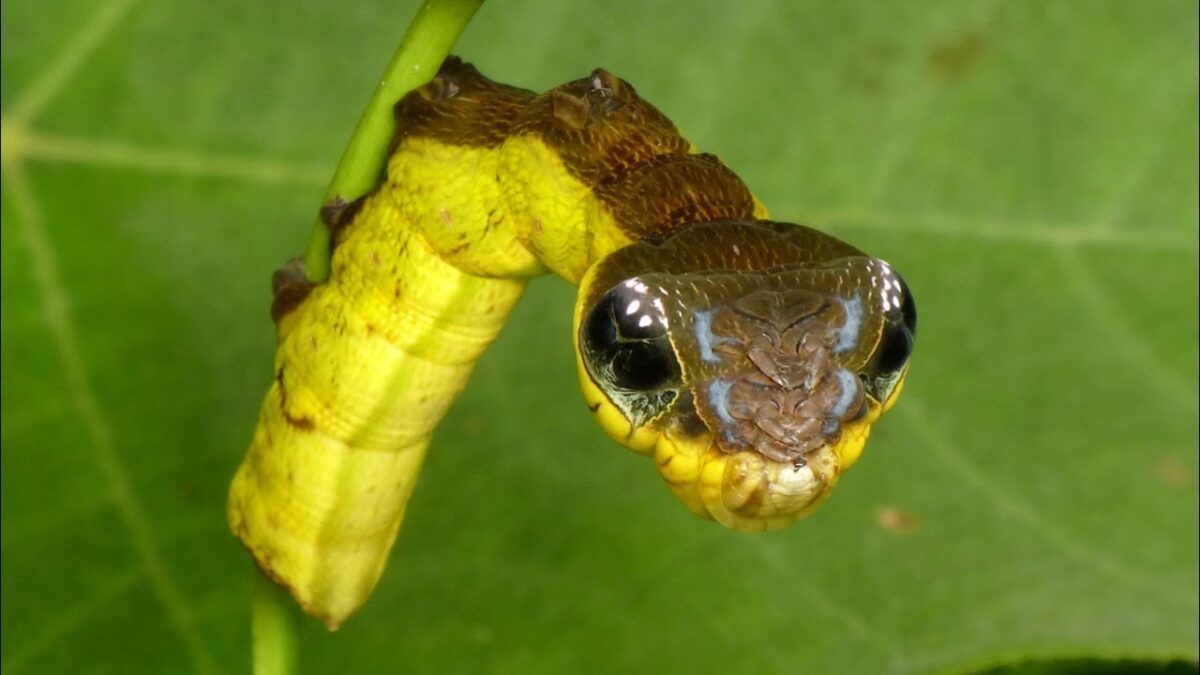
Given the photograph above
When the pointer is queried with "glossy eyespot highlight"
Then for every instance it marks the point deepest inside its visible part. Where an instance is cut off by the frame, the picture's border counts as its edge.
(908, 307)
(625, 348)
(897, 338)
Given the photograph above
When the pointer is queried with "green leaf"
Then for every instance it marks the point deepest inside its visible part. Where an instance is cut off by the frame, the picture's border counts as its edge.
(1029, 166)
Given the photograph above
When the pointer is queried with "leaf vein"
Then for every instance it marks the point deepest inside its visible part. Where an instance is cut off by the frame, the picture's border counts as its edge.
(55, 303)
(1083, 284)
(81, 45)
(122, 154)
(1015, 509)
(66, 622)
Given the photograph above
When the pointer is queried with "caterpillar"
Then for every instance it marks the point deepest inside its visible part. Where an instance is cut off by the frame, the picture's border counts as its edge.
(748, 358)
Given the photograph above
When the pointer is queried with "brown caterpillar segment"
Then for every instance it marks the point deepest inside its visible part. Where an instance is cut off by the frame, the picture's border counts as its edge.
(600, 128)
(590, 167)
(460, 107)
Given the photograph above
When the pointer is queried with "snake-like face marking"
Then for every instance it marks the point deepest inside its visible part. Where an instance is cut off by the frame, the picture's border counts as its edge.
(775, 362)
(771, 375)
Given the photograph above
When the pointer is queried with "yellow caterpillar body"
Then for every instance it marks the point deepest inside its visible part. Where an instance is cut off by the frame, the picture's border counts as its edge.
(487, 187)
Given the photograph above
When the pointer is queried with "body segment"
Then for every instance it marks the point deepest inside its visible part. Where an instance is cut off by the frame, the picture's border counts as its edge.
(365, 372)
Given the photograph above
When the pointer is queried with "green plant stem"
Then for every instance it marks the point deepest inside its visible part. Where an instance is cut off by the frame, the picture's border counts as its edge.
(274, 618)
(430, 36)
(426, 43)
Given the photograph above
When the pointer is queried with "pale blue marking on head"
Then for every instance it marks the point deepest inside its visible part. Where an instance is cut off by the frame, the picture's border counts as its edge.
(704, 336)
(848, 333)
(849, 384)
(718, 398)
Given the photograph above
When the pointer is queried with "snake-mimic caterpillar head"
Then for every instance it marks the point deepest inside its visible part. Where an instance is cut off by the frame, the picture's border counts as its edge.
(751, 366)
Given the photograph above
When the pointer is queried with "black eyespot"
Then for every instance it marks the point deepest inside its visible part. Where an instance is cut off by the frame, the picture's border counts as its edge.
(600, 327)
(624, 341)
(895, 346)
(642, 366)
(636, 318)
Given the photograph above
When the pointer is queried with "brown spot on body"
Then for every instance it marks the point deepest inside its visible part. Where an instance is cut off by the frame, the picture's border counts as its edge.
(283, 392)
(302, 422)
(593, 407)
(337, 214)
(290, 286)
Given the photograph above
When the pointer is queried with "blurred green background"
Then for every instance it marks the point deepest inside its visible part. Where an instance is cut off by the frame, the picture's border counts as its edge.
(1030, 166)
